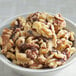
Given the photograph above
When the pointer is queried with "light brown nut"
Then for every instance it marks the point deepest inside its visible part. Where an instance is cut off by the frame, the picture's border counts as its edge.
(27, 26)
(36, 66)
(67, 35)
(10, 55)
(61, 33)
(37, 26)
(20, 41)
(22, 58)
(52, 64)
(70, 51)
(19, 22)
(0, 40)
(63, 44)
(22, 33)
(42, 30)
(41, 58)
(59, 63)
(17, 49)
(72, 36)
(31, 40)
(41, 41)
(5, 39)
(9, 44)
(35, 33)
(50, 60)
(46, 32)
(7, 31)
(59, 23)
(60, 55)
(19, 34)
(50, 18)
(31, 62)
(51, 27)
(43, 45)
(51, 56)
(43, 15)
(16, 36)
(43, 48)
(31, 53)
(12, 50)
(59, 16)
(50, 45)
(33, 17)
(42, 20)
(32, 45)
(13, 23)
(4, 51)
(54, 40)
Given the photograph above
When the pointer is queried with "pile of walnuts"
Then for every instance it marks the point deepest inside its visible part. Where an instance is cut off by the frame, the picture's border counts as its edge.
(38, 41)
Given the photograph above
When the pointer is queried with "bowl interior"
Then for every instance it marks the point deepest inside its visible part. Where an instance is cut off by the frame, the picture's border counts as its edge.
(70, 25)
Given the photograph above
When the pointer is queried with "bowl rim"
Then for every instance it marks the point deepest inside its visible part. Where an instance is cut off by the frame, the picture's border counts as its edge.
(28, 69)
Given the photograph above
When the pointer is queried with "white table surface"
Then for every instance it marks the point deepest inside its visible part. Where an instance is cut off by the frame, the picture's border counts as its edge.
(9, 8)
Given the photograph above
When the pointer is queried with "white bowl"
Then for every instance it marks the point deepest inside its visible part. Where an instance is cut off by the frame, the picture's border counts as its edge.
(34, 72)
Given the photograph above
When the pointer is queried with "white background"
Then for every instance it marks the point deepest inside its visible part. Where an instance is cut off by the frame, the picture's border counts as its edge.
(9, 8)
